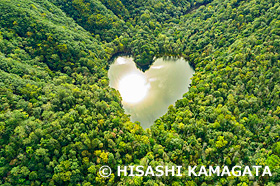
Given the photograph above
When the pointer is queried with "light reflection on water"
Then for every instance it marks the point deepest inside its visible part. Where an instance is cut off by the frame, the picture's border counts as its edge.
(147, 96)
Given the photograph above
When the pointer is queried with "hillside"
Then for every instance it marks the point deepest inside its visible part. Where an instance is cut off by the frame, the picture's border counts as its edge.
(60, 121)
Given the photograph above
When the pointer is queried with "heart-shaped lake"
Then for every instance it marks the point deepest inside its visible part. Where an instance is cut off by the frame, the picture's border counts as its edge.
(147, 96)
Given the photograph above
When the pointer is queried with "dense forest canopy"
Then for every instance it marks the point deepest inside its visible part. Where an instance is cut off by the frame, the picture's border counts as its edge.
(60, 121)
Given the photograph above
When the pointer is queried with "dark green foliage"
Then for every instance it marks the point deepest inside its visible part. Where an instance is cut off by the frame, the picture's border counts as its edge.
(60, 121)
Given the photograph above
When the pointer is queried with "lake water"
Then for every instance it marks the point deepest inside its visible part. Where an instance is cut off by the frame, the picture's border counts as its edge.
(147, 96)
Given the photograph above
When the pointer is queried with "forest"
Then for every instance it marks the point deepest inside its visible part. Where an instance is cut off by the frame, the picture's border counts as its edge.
(60, 121)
